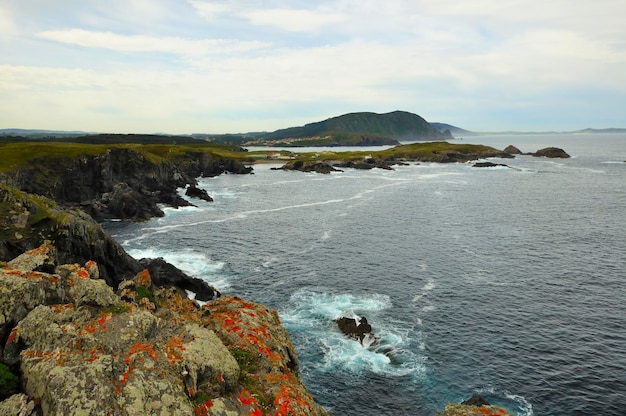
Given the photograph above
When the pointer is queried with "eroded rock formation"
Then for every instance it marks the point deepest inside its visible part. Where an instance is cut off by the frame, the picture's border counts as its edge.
(81, 348)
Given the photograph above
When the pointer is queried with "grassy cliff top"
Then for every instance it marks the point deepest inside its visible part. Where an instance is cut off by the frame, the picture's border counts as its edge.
(15, 154)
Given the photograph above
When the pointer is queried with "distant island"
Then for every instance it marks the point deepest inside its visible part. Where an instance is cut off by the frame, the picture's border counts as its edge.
(358, 129)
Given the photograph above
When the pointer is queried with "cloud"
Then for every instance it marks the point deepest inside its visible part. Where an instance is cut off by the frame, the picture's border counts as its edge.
(144, 43)
(286, 19)
(207, 10)
(6, 23)
(294, 20)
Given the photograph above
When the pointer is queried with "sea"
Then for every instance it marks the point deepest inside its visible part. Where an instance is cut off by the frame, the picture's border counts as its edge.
(509, 282)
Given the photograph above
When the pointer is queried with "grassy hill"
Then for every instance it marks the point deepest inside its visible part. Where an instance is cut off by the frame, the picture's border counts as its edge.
(398, 125)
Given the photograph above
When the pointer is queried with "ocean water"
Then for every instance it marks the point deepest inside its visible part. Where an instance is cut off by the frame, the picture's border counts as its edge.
(508, 282)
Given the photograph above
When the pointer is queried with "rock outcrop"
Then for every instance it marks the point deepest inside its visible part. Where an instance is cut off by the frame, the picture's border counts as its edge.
(315, 166)
(551, 152)
(453, 409)
(26, 221)
(512, 150)
(489, 165)
(358, 331)
(366, 164)
(81, 348)
(195, 192)
(166, 275)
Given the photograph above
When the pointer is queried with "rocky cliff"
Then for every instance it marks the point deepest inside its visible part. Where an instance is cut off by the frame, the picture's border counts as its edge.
(121, 182)
(27, 220)
(82, 349)
(86, 329)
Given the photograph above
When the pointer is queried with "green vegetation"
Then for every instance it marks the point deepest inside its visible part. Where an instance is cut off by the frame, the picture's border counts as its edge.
(423, 151)
(117, 309)
(247, 361)
(201, 398)
(430, 150)
(143, 292)
(9, 382)
(15, 154)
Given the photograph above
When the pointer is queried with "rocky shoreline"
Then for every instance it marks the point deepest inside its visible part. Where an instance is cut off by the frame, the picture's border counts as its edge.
(87, 329)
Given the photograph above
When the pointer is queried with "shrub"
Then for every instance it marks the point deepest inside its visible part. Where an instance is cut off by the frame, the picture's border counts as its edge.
(9, 383)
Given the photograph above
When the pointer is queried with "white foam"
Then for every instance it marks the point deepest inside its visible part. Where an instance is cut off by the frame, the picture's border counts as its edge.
(193, 263)
(312, 316)
(508, 400)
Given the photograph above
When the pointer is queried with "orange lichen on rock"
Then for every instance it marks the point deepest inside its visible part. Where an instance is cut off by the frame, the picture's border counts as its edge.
(203, 409)
(252, 330)
(174, 349)
(143, 278)
(12, 336)
(143, 348)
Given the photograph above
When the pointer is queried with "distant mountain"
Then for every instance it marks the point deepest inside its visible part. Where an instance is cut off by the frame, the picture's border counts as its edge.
(397, 125)
(456, 131)
(610, 130)
(40, 133)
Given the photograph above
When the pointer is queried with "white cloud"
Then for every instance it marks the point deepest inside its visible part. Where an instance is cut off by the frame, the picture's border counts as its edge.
(208, 10)
(294, 20)
(6, 22)
(143, 43)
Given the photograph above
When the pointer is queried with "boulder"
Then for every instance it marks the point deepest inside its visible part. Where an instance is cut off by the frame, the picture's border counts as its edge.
(353, 330)
(18, 405)
(551, 152)
(512, 150)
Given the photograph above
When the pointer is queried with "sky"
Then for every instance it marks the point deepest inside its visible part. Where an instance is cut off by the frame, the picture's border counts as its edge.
(196, 66)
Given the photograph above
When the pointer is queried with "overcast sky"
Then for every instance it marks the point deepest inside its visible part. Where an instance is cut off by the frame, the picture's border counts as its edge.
(185, 66)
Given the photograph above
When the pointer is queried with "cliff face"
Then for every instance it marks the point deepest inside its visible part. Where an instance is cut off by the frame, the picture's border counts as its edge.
(120, 183)
(83, 349)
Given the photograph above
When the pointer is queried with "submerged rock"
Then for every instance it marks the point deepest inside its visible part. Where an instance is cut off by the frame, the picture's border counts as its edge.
(453, 409)
(488, 165)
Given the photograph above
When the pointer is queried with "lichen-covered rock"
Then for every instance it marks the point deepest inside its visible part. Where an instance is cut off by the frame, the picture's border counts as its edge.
(265, 355)
(18, 405)
(84, 350)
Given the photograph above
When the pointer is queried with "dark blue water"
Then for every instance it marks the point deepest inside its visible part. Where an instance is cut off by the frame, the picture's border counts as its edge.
(506, 282)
